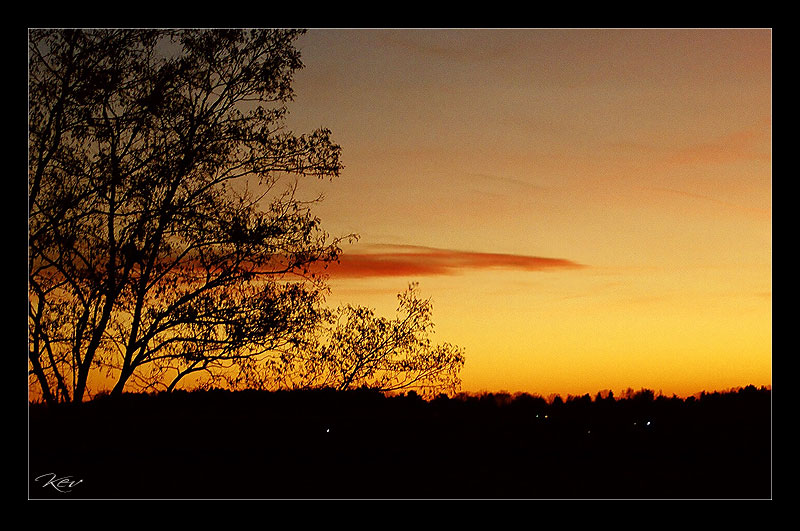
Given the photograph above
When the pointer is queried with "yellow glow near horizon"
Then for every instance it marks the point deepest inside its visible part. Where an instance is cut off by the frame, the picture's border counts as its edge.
(644, 155)
(553, 333)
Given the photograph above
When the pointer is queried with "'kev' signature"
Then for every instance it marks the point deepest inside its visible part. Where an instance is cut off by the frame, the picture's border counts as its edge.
(61, 484)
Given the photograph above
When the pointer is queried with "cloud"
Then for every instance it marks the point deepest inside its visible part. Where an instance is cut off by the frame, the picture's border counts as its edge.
(519, 183)
(455, 45)
(741, 208)
(752, 143)
(746, 144)
(409, 260)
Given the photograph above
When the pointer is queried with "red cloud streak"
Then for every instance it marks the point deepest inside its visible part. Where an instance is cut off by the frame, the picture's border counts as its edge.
(404, 261)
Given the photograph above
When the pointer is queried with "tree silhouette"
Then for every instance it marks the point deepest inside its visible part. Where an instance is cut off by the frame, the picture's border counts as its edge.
(166, 236)
(360, 349)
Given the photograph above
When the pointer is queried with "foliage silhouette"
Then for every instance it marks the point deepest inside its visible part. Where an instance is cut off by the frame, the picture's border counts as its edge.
(360, 443)
(360, 349)
(166, 238)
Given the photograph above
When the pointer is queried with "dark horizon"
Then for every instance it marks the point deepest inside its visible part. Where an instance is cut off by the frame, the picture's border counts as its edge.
(326, 444)
(459, 395)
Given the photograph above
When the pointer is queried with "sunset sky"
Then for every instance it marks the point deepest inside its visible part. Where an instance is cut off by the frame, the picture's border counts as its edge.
(587, 209)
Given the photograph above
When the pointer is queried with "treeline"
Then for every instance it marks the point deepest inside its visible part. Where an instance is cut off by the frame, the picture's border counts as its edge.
(501, 398)
(643, 394)
(364, 444)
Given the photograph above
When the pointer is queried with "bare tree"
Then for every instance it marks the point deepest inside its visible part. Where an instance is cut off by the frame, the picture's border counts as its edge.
(166, 236)
(359, 349)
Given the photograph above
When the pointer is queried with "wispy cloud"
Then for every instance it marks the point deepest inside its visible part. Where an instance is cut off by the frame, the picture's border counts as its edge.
(410, 260)
(741, 208)
(518, 183)
(752, 143)
(745, 144)
(454, 45)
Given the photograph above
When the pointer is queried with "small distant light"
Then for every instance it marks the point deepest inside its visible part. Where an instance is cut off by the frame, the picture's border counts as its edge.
(328, 430)
(545, 416)
(648, 422)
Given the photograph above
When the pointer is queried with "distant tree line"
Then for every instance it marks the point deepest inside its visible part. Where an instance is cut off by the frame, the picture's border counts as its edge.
(364, 443)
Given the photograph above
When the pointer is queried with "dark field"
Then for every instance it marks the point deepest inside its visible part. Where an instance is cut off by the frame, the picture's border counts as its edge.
(360, 444)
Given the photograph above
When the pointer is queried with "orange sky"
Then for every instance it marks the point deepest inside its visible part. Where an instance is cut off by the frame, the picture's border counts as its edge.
(588, 209)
